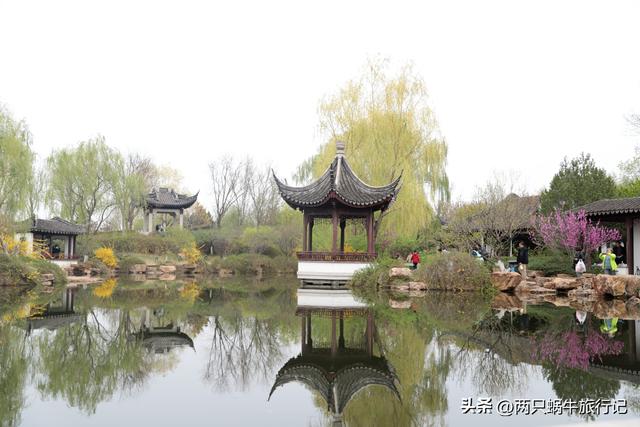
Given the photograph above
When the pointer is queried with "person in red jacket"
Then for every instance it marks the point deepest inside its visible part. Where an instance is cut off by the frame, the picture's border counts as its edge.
(415, 259)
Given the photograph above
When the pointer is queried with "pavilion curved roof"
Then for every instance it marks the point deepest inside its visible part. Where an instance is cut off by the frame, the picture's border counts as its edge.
(339, 182)
(163, 341)
(629, 205)
(168, 199)
(337, 388)
(55, 225)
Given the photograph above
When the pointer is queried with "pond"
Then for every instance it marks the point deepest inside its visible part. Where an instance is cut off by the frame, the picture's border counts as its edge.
(244, 352)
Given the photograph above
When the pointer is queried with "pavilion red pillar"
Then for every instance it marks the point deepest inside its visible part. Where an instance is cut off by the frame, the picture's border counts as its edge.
(334, 341)
(629, 245)
(370, 333)
(305, 226)
(310, 240)
(370, 239)
(343, 224)
(334, 240)
(303, 333)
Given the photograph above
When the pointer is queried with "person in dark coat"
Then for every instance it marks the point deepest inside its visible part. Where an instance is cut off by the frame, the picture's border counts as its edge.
(619, 252)
(523, 259)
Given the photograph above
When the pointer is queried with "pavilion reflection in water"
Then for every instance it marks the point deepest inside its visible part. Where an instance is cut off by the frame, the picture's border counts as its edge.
(160, 336)
(626, 365)
(56, 314)
(336, 369)
(623, 366)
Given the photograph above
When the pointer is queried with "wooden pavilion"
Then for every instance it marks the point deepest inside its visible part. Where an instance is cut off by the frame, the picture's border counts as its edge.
(165, 201)
(57, 234)
(56, 314)
(627, 213)
(338, 195)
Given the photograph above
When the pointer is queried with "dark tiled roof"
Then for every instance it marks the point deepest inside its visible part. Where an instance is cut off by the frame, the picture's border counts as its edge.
(612, 206)
(55, 225)
(337, 388)
(167, 198)
(52, 322)
(164, 341)
(339, 182)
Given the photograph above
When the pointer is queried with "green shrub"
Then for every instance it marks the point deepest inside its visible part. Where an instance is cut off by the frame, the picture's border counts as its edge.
(132, 242)
(551, 264)
(263, 240)
(402, 246)
(378, 272)
(252, 264)
(453, 271)
(16, 270)
(127, 261)
(45, 267)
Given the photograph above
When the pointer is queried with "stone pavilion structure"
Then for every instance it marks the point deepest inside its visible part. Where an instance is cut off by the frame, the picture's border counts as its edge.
(166, 201)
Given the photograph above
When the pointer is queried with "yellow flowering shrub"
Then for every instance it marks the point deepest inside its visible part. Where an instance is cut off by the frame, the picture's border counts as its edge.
(107, 256)
(10, 246)
(25, 310)
(105, 290)
(190, 291)
(191, 254)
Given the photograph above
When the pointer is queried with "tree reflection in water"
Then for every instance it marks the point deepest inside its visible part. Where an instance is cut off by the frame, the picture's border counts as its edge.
(109, 344)
(14, 362)
(87, 362)
(242, 350)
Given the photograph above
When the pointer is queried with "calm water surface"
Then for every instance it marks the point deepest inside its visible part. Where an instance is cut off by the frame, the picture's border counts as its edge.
(236, 353)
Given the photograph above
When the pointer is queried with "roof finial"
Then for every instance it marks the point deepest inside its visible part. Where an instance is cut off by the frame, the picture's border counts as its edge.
(340, 148)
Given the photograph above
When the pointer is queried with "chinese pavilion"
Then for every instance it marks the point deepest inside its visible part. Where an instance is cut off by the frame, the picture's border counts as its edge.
(626, 213)
(340, 196)
(57, 234)
(166, 201)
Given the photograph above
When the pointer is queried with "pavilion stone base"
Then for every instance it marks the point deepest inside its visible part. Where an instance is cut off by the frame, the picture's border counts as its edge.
(324, 298)
(328, 273)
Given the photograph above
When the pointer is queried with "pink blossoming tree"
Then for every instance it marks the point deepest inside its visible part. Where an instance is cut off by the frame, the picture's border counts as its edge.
(569, 231)
(570, 349)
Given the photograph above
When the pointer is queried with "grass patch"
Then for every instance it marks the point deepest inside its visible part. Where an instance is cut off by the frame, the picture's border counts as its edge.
(252, 264)
(20, 270)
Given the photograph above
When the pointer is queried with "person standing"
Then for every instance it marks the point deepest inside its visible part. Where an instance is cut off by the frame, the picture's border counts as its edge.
(415, 259)
(619, 252)
(609, 262)
(523, 259)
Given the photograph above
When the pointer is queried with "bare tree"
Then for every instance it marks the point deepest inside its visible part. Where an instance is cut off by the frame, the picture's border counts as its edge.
(134, 178)
(264, 197)
(634, 122)
(243, 204)
(500, 211)
(225, 178)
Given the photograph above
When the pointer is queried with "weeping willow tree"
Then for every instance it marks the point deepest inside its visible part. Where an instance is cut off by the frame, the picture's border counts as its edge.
(389, 129)
(16, 159)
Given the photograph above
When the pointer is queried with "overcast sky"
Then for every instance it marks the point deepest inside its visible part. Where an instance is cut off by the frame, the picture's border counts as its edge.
(515, 85)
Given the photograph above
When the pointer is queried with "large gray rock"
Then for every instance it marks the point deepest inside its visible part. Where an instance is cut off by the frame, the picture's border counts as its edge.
(563, 283)
(167, 268)
(138, 269)
(400, 272)
(417, 286)
(505, 281)
(616, 286)
(402, 305)
(401, 287)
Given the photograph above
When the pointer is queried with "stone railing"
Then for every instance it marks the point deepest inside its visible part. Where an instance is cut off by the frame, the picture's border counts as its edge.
(336, 257)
